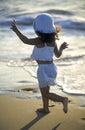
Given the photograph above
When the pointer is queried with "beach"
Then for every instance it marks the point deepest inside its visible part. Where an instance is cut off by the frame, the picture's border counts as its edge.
(22, 114)
(19, 92)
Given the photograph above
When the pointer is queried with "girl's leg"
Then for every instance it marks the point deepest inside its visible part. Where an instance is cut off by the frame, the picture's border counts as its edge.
(45, 100)
(55, 98)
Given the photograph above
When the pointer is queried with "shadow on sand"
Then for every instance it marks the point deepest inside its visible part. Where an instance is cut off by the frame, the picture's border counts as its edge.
(55, 128)
(35, 120)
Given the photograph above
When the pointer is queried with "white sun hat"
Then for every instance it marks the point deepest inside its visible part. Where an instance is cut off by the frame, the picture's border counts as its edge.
(44, 23)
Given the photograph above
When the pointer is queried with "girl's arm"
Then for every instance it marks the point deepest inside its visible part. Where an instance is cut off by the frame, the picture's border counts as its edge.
(57, 52)
(21, 36)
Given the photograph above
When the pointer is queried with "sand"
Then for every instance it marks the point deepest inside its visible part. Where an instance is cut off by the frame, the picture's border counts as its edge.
(21, 114)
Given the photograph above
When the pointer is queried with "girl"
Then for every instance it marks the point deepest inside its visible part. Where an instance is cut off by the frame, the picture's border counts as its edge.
(44, 48)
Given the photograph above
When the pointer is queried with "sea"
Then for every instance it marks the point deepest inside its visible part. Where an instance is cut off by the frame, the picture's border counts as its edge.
(18, 71)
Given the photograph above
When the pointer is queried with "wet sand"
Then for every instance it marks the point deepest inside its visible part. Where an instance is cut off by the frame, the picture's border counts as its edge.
(22, 114)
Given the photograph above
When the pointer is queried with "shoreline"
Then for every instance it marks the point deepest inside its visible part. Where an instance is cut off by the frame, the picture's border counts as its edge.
(21, 114)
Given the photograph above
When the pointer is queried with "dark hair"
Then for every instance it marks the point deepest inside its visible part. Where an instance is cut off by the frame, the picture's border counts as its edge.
(47, 37)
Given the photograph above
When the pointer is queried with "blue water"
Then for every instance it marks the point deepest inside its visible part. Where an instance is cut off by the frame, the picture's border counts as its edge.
(16, 68)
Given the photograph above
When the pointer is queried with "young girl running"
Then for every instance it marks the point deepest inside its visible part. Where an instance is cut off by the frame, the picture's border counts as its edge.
(44, 48)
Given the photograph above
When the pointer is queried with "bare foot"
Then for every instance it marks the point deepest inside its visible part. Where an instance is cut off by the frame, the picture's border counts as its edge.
(43, 111)
(65, 105)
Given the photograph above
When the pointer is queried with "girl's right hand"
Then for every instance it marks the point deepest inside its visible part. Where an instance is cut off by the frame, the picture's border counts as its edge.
(13, 26)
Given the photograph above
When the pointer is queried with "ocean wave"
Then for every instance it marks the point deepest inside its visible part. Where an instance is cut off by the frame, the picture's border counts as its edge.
(27, 20)
(24, 62)
(72, 58)
(50, 11)
(22, 21)
(66, 19)
(72, 24)
(59, 12)
(72, 91)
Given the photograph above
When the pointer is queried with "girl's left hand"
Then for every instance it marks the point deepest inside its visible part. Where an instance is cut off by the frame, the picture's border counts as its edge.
(64, 46)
